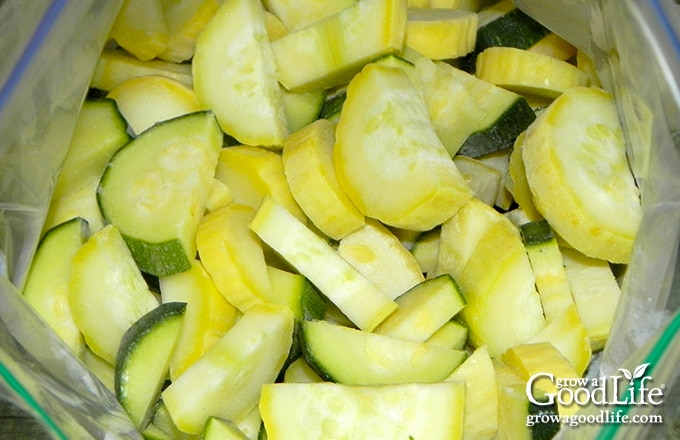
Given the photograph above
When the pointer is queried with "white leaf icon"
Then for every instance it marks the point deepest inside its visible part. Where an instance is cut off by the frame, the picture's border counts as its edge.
(626, 373)
(639, 371)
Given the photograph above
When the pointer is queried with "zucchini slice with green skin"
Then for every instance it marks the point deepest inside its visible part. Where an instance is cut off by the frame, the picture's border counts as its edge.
(520, 418)
(472, 117)
(453, 334)
(143, 360)
(546, 262)
(354, 357)
(221, 429)
(155, 190)
(502, 132)
(311, 411)
(503, 24)
(99, 133)
(47, 281)
(423, 309)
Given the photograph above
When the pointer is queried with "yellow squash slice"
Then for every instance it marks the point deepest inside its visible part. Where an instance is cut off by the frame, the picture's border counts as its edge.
(576, 167)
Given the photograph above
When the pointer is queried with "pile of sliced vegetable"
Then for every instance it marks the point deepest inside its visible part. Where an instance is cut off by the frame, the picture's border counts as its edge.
(361, 219)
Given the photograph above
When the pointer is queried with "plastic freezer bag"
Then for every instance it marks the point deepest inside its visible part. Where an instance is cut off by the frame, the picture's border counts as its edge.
(49, 50)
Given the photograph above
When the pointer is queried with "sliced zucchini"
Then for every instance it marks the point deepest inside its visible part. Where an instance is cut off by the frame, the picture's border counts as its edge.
(481, 402)
(102, 369)
(220, 196)
(528, 360)
(143, 360)
(170, 165)
(452, 334)
(472, 117)
(528, 73)
(297, 14)
(275, 27)
(302, 108)
(482, 179)
(100, 131)
(516, 421)
(226, 381)
(381, 257)
(185, 20)
(500, 160)
(107, 293)
(424, 309)
(116, 66)
(313, 411)
(441, 33)
(146, 100)
(46, 285)
(576, 166)
(304, 300)
(483, 251)
(546, 262)
(252, 173)
(518, 185)
(355, 357)
(329, 52)
(162, 423)
(568, 334)
(501, 133)
(153, 432)
(140, 28)
(391, 163)
(296, 292)
(310, 173)
(314, 258)
(235, 75)
(222, 429)
(208, 315)
(596, 294)
(426, 250)
(299, 371)
(332, 106)
(554, 46)
(503, 24)
(233, 256)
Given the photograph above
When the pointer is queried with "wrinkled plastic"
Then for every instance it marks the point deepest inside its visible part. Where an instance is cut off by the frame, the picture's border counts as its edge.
(48, 51)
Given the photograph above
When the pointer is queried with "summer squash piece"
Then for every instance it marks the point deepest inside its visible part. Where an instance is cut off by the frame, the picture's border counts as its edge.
(46, 285)
(143, 360)
(355, 357)
(362, 302)
(575, 160)
(226, 381)
(330, 51)
(388, 157)
(312, 411)
(235, 75)
(107, 293)
(170, 165)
